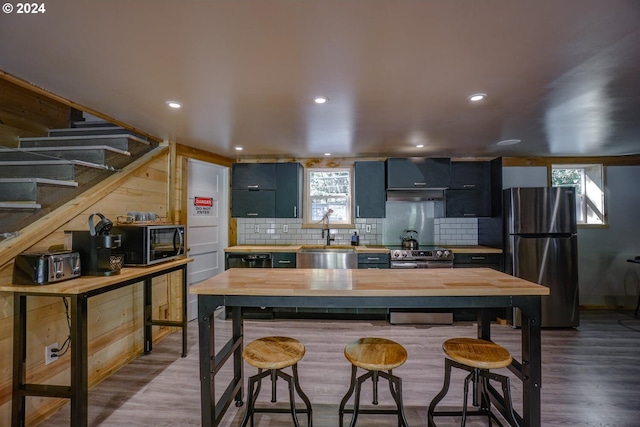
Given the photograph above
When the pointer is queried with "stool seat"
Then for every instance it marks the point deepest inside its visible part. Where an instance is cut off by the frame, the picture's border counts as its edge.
(477, 353)
(477, 357)
(270, 355)
(375, 354)
(273, 352)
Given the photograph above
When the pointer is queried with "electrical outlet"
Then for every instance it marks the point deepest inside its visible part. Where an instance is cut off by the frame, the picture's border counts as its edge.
(256, 228)
(367, 228)
(49, 355)
(285, 228)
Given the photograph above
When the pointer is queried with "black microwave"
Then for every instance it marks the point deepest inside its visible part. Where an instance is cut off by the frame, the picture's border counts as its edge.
(149, 244)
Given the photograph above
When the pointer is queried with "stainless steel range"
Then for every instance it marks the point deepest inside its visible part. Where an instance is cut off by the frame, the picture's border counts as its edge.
(434, 257)
(430, 257)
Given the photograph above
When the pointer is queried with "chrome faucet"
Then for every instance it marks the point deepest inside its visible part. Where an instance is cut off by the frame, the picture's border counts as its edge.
(325, 221)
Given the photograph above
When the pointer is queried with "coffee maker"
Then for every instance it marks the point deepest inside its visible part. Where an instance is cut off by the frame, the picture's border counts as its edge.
(95, 247)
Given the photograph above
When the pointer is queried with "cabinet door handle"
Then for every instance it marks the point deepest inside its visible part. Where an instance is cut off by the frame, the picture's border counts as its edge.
(252, 186)
(284, 261)
(469, 214)
(358, 211)
(252, 213)
(469, 185)
(477, 257)
(418, 184)
(295, 212)
(373, 259)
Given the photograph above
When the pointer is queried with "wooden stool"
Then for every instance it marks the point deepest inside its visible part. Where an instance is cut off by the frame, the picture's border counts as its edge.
(376, 355)
(476, 356)
(270, 355)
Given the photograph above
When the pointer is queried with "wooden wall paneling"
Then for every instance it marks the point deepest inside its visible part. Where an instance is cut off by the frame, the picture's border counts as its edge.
(24, 113)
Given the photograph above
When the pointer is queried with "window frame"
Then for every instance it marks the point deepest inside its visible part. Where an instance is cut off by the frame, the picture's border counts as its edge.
(308, 221)
(589, 199)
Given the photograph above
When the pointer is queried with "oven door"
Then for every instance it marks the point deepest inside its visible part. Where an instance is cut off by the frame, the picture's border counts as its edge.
(421, 264)
(421, 316)
(404, 264)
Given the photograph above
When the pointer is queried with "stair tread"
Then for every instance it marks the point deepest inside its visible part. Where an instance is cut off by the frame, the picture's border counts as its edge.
(76, 148)
(20, 205)
(44, 181)
(83, 137)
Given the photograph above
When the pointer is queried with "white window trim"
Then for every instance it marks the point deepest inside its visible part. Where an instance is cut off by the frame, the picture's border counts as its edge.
(593, 197)
(307, 221)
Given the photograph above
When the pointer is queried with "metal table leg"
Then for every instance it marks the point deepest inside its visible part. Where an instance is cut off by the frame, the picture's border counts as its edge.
(19, 359)
(531, 368)
(79, 361)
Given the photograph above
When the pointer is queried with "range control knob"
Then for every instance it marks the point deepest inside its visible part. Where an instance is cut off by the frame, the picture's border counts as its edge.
(447, 254)
(396, 254)
(438, 253)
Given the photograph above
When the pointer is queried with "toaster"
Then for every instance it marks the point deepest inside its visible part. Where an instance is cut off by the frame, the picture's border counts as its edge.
(41, 268)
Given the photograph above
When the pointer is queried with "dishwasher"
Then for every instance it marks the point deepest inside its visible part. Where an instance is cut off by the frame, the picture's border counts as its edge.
(249, 260)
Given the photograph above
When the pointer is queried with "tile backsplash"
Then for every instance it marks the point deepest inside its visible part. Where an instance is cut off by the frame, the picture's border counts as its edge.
(455, 231)
(271, 231)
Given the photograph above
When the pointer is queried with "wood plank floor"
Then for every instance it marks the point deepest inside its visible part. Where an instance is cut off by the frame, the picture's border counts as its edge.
(591, 375)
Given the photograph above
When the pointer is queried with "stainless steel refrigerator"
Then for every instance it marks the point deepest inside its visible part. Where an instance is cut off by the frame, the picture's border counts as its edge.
(541, 246)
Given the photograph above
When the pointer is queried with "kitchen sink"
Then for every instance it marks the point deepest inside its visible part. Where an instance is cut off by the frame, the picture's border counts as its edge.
(327, 257)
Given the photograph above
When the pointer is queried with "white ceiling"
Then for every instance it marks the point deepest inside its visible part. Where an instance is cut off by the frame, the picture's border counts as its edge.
(562, 76)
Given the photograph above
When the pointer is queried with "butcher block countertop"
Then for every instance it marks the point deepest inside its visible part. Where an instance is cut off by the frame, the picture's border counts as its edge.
(358, 249)
(84, 284)
(370, 283)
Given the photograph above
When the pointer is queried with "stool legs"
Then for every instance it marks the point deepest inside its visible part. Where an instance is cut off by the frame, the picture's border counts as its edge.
(395, 387)
(480, 380)
(293, 384)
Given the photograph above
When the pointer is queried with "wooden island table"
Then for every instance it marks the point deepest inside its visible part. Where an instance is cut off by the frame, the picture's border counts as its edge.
(478, 288)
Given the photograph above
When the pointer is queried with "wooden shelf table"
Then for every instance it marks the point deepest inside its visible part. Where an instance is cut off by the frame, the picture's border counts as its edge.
(78, 291)
(478, 288)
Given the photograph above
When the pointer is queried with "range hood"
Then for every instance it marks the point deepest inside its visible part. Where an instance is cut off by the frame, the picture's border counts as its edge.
(415, 195)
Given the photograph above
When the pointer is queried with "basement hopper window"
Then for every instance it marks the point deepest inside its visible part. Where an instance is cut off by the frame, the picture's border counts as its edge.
(588, 181)
(328, 189)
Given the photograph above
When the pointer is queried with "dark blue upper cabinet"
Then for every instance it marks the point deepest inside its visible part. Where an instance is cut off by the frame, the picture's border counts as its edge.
(253, 176)
(418, 172)
(266, 190)
(289, 185)
(369, 194)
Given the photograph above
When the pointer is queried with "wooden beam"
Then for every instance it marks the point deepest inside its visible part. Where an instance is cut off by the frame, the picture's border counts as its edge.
(628, 160)
(205, 156)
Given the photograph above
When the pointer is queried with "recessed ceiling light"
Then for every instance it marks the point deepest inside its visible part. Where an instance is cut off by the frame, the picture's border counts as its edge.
(238, 148)
(420, 146)
(478, 97)
(320, 99)
(508, 142)
(174, 104)
(327, 154)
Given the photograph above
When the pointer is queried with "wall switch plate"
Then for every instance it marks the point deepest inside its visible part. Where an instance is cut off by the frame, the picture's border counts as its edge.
(256, 228)
(285, 228)
(49, 355)
(367, 228)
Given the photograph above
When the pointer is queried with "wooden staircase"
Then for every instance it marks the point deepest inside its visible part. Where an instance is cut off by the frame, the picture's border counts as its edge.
(43, 173)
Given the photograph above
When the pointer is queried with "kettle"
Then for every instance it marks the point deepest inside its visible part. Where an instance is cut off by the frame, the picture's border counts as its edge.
(409, 239)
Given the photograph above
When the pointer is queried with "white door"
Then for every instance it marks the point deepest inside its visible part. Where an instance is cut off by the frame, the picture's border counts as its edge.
(207, 223)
